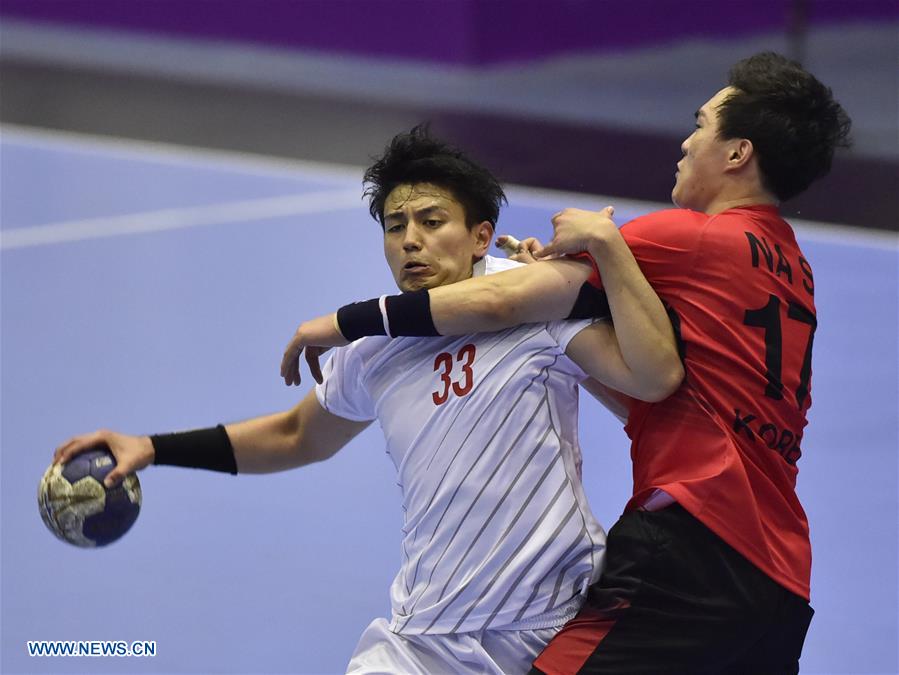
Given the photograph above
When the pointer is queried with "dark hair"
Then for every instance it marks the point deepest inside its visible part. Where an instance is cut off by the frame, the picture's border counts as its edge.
(791, 118)
(418, 157)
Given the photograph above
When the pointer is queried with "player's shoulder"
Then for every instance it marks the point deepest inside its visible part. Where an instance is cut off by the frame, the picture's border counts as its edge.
(668, 225)
(764, 218)
(665, 220)
(363, 350)
(761, 223)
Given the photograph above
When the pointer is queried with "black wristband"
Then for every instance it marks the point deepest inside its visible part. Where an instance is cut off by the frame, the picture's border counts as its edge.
(199, 449)
(410, 314)
(407, 314)
(591, 303)
(360, 319)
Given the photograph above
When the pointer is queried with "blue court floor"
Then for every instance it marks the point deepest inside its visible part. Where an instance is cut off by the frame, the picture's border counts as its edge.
(150, 288)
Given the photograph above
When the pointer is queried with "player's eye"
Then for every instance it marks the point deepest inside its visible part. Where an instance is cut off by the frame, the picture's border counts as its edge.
(397, 227)
(433, 222)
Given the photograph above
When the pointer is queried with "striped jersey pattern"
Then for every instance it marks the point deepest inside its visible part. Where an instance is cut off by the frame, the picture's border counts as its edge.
(482, 430)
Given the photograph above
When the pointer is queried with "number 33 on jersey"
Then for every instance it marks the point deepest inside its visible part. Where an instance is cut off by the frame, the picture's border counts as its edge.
(456, 375)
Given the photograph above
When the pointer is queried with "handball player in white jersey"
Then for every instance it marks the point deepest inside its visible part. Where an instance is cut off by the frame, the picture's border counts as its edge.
(499, 544)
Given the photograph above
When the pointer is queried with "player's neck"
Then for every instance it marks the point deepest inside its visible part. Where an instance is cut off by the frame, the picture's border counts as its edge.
(740, 196)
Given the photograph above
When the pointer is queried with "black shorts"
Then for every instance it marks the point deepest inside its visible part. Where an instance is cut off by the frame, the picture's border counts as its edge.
(674, 598)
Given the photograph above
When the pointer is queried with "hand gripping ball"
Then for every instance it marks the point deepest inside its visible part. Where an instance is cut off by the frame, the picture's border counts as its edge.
(79, 509)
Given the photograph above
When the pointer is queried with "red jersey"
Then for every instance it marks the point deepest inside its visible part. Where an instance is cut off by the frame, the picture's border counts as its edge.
(725, 445)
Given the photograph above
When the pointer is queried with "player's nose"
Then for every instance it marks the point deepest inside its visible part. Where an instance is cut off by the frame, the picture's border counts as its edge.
(411, 238)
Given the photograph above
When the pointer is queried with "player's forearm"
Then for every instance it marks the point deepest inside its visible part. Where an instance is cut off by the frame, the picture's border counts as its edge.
(643, 328)
(543, 291)
(259, 445)
(305, 434)
(286, 440)
(267, 444)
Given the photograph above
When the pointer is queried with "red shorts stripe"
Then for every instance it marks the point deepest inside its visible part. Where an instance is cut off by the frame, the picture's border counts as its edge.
(569, 649)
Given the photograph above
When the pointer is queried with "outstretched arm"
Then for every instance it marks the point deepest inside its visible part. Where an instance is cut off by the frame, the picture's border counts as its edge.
(304, 434)
(543, 291)
(529, 294)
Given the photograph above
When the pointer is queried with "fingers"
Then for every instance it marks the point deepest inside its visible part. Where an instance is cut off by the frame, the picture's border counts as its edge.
(315, 337)
(574, 229)
(531, 244)
(290, 364)
(520, 251)
(78, 444)
(65, 452)
(523, 257)
(312, 360)
(509, 244)
(530, 247)
(114, 477)
(609, 210)
(291, 373)
(547, 251)
(286, 359)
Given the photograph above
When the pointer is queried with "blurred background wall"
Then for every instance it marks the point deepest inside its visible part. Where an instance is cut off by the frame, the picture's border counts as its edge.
(585, 95)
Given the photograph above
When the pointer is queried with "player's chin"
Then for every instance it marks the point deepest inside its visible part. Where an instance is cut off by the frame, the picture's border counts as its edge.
(417, 283)
(680, 193)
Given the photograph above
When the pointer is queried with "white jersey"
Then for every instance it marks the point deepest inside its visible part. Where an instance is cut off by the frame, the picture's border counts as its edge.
(482, 430)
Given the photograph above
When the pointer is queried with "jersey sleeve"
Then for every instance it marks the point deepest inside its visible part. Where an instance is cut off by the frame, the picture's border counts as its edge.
(492, 265)
(342, 391)
(563, 332)
(664, 243)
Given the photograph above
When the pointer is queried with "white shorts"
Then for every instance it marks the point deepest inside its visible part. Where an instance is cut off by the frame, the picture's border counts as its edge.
(499, 652)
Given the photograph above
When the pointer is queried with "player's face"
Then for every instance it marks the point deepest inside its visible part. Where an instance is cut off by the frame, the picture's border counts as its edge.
(701, 170)
(426, 242)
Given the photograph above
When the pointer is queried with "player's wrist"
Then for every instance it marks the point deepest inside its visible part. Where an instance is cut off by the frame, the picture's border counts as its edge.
(149, 451)
(336, 325)
(603, 241)
(208, 448)
(407, 314)
(599, 244)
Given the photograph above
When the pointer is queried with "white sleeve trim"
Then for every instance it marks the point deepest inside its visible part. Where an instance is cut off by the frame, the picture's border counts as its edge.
(382, 305)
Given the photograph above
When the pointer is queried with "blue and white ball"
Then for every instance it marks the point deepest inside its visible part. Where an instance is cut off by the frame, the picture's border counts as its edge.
(79, 509)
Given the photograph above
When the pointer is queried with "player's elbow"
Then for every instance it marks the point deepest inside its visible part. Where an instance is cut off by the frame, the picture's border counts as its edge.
(665, 381)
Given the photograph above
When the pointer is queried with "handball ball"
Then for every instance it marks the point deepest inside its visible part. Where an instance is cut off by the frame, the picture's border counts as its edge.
(79, 509)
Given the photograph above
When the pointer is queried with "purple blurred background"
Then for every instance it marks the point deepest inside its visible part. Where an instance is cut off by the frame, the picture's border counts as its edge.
(578, 95)
(459, 32)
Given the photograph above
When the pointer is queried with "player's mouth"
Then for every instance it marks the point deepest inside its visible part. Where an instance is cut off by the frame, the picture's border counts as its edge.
(416, 268)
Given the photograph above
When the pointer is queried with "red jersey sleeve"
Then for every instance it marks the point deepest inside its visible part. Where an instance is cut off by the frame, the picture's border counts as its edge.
(664, 243)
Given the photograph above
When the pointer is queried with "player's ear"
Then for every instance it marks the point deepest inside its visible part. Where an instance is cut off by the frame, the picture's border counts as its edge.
(739, 153)
(483, 233)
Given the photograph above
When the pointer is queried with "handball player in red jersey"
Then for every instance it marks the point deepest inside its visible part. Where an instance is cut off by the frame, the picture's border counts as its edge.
(708, 569)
